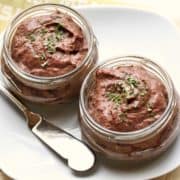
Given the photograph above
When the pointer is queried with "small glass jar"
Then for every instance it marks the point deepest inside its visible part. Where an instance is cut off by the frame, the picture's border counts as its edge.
(141, 144)
(47, 90)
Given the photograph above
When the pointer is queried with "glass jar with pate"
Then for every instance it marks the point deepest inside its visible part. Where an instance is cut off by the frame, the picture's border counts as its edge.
(47, 51)
(128, 109)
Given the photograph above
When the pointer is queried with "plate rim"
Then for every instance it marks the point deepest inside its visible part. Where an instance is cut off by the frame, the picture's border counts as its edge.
(116, 7)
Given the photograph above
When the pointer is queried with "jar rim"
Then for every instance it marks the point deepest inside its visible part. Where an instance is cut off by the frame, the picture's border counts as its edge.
(40, 79)
(130, 135)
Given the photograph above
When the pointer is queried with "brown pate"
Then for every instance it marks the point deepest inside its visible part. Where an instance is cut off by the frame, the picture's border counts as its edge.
(49, 45)
(126, 98)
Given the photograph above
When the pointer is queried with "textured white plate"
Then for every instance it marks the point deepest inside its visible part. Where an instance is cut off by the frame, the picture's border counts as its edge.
(119, 31)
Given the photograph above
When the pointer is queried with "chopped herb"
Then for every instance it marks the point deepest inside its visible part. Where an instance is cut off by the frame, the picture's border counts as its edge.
(115, 97)
(149, 107)
(31, 37)
(43, 31)
(58, 32)
(59, 35)
(124, 91)
(51, 49)
(131, 81)
(117, 87)
(50, 45)
(44, 64)
(42, 56)
(123, 117)
(53, 38)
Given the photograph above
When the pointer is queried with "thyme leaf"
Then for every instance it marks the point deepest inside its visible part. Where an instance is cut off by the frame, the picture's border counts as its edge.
(44, 64)
(149, 107)
(59, 32)
(31, 37)
(43, 31)
(114, 97)
(132, 81)
(59, 35)
(50, 45)
(42, 56)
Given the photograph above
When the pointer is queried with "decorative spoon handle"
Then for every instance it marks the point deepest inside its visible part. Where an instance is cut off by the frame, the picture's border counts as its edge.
(78, 155)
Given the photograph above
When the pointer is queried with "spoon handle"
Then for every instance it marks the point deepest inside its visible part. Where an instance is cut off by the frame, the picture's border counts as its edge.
(79, 157)
(77, 154)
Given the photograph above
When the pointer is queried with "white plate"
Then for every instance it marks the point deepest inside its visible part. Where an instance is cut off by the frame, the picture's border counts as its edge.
(119, 31)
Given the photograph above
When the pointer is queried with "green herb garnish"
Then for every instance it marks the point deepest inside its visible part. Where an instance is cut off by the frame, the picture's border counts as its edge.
(44, 64)
(53, 38)
(42, 56)
(50, 45)
(43, 31)
(59, 32)
(149, 107)
(59, 35)
(125, 91)
(115, 97)
(31, 37)
(132, 81)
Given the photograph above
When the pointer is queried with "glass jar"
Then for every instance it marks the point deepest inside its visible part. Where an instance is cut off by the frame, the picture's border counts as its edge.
(133, 145)
(47, 90)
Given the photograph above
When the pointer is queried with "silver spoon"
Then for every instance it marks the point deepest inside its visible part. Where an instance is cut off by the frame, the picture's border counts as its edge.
(77, 154)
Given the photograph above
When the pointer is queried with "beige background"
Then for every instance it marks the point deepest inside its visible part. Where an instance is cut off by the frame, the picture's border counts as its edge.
(170, 8)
